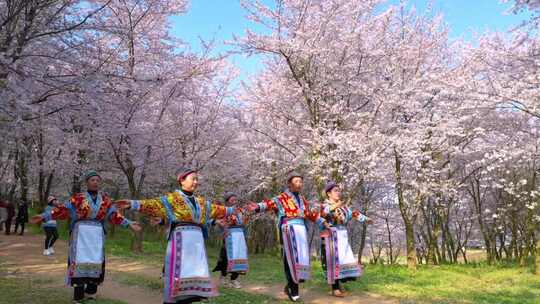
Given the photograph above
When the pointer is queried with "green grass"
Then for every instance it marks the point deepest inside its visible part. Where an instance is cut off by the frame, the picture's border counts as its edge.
(478, 283)
(226, 295)
(473, 283)
(35, 291)
(231, 296)
(129, 279)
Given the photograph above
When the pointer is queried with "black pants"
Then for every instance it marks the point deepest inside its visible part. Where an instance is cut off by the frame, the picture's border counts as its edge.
(18, 223)
(86, 285)
(187, 301)
(291, 285)
(51, 236)
(222, 264)
(80, 289)
(8, 225)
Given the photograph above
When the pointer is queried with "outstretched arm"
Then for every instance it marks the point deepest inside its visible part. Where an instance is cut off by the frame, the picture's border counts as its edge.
(60, 212)
(218, 211)
(360, 217)
(152, 207)
(264, 206)
(314, 214)
(116, 218)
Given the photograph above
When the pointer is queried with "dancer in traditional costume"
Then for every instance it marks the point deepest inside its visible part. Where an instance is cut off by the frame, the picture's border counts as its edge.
(186, 275)
(88, 212)
(292, 209)
(337, 258)
(233, 258)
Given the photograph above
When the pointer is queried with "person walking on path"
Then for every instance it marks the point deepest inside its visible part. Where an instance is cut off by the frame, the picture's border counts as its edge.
(22, 217)
(10, 208)
(50, 228)
(3, 214)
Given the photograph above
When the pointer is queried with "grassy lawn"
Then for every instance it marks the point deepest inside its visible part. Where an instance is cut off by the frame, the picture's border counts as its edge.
(232, 296)
(477, 283)
(36, 291)
(473, 283)
(227, 296)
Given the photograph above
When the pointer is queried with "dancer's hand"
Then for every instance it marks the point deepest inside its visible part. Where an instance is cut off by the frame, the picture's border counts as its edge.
(54, 200)
(156, 221)
(135, 227)
(252, 207)
(122, 204)
(369, 221)
(221, 223)
(340, 214)
(326, 225)
(36, 219)
(238, 212)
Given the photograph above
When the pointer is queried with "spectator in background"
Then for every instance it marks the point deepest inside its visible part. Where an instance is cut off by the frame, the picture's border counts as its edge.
(49, 227)
(22, 217)
(10, 208)
(3, 214)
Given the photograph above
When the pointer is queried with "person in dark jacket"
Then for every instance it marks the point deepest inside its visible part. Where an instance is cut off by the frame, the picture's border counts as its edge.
(3, 214)
(22, 217)
(10, 214)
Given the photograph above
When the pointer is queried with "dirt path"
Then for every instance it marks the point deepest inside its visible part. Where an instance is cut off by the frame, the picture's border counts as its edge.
(22, 255)
(318, 297)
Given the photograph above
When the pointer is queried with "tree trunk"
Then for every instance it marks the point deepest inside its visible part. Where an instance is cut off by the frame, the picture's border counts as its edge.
(21, 167)
(137, 240)
(537, 259)
(390, 244)
(362, 242)
(411, 248)
(409, 224)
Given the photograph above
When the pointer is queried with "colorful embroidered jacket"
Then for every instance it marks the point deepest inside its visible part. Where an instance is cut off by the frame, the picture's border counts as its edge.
(177, 207)
(50, 223)
(286, 205)
(236, 219)
(81, 206)
(341, 215)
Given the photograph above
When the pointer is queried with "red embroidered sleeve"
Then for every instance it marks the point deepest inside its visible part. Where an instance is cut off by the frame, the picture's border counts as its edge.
(267, 205)
(60, 213)
(116, 218)
(313, 214)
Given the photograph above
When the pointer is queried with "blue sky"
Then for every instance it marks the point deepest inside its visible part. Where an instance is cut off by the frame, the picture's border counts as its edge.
(221, 19)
